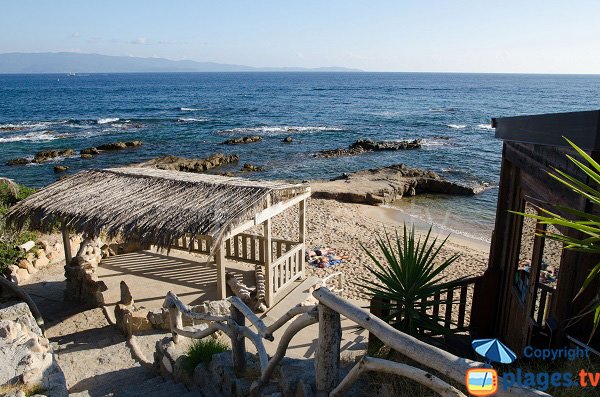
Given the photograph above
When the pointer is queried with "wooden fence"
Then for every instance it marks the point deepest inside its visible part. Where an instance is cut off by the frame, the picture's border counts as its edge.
(327, 313)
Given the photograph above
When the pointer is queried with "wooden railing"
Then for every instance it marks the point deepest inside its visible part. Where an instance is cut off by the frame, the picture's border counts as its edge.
(545, 293)
(327, 313)
(450, 305)
(249, 248)
(287, 268)
(200, 244)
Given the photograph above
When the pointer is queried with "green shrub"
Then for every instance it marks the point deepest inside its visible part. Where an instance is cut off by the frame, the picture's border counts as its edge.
(201, 351)
(9, 239)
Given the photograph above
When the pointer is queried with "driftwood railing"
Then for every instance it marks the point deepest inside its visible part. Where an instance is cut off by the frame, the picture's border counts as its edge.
(327, 313)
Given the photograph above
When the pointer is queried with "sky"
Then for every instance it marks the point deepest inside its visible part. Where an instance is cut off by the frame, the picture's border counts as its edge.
(526, 36)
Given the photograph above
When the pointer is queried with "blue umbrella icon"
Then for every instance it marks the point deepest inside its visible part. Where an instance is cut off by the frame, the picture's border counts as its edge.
(494, 350)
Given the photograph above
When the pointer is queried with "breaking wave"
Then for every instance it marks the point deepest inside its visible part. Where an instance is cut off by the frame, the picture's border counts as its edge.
(191, 120)
(485, 127)
(281, 129)
(107, 120)
(32, 136)
(457, 126)
(189, 109)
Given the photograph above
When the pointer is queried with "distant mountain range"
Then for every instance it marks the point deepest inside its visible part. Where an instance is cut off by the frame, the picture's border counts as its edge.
(71, 62)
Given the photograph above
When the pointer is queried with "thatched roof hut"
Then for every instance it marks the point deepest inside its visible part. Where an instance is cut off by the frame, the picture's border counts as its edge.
(156, 206)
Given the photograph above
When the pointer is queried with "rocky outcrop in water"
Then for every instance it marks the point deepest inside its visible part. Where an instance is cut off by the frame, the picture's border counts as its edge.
(245, 139)
(191, 165)
(385, 185)
(252, 168)
(367, 145)
(93, 151)
(42, 157)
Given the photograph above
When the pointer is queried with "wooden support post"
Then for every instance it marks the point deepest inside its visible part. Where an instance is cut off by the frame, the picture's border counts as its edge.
(176, 322)
(302, 234)
(328, 353)
(67, 245)
(380, 309)
(238, 343)
(221, 281)
(268, 254)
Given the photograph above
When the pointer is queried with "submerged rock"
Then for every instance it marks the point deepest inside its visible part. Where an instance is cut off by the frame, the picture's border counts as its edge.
(367, 145)
(387, 184)
(287, 139)
(46, 155)
(90, 150)
(119, 145)
(60, 168)
(245, 139)
(18, 161)
(190, 165)
(86, 156)
(252, 168)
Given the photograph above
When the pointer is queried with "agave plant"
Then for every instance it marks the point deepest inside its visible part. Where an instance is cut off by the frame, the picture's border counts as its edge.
(586, 223)
(408, 279)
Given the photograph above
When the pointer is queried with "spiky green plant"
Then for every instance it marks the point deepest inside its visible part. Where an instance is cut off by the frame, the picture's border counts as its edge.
(408, 279)
(201, 351)
(586, 223)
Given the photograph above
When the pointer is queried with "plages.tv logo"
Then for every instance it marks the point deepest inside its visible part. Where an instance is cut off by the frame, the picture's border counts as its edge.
(484, 381)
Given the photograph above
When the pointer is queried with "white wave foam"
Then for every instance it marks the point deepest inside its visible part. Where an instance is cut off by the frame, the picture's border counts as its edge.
(280, 129)
(434, 142)
(191, 120)
(485, 127)
(189, 109)
(107, 120)
(30, 125)
(457, 126)
(32, 136)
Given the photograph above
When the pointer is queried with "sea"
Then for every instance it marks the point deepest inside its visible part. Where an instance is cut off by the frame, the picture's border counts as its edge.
(191, 114)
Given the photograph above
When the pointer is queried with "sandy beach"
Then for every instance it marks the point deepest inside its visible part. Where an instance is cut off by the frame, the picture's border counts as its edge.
(344, 227)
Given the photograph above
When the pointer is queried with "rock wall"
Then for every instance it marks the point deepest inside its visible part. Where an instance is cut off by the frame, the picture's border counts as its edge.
(25, 354)
(37, 257)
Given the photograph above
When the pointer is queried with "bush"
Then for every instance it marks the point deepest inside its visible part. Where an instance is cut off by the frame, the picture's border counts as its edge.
(9, 255)
(201, 351)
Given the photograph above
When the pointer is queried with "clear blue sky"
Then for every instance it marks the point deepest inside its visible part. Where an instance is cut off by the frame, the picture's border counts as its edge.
(455, 36)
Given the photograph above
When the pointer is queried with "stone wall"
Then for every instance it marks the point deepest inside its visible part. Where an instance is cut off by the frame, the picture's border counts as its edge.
(25, 354)
(37, 256)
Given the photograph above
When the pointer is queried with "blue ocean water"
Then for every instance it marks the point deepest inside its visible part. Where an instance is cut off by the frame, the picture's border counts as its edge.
(190, 114)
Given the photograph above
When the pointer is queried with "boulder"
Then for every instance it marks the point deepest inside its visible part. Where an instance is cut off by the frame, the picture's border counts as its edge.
(367, 146)
(245, 139)
(252, 168)
(86, 156)
(60, 168)
(287, 139)
(190, 165)
(18, 161)
(46, 155)
(41, 261)
(23, 263)
(90, 150)
(119, 145)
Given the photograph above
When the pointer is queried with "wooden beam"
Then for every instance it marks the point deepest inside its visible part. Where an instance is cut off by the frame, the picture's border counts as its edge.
(221, 282)
(302, 234)
(239, 229)
(67, 245)
(273, 210)
(269, 298)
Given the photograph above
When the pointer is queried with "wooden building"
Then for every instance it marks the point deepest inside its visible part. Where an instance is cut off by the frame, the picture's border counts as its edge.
(527, 294)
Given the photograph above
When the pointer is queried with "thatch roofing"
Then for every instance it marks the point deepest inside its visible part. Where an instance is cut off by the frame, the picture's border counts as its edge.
(156, 206)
